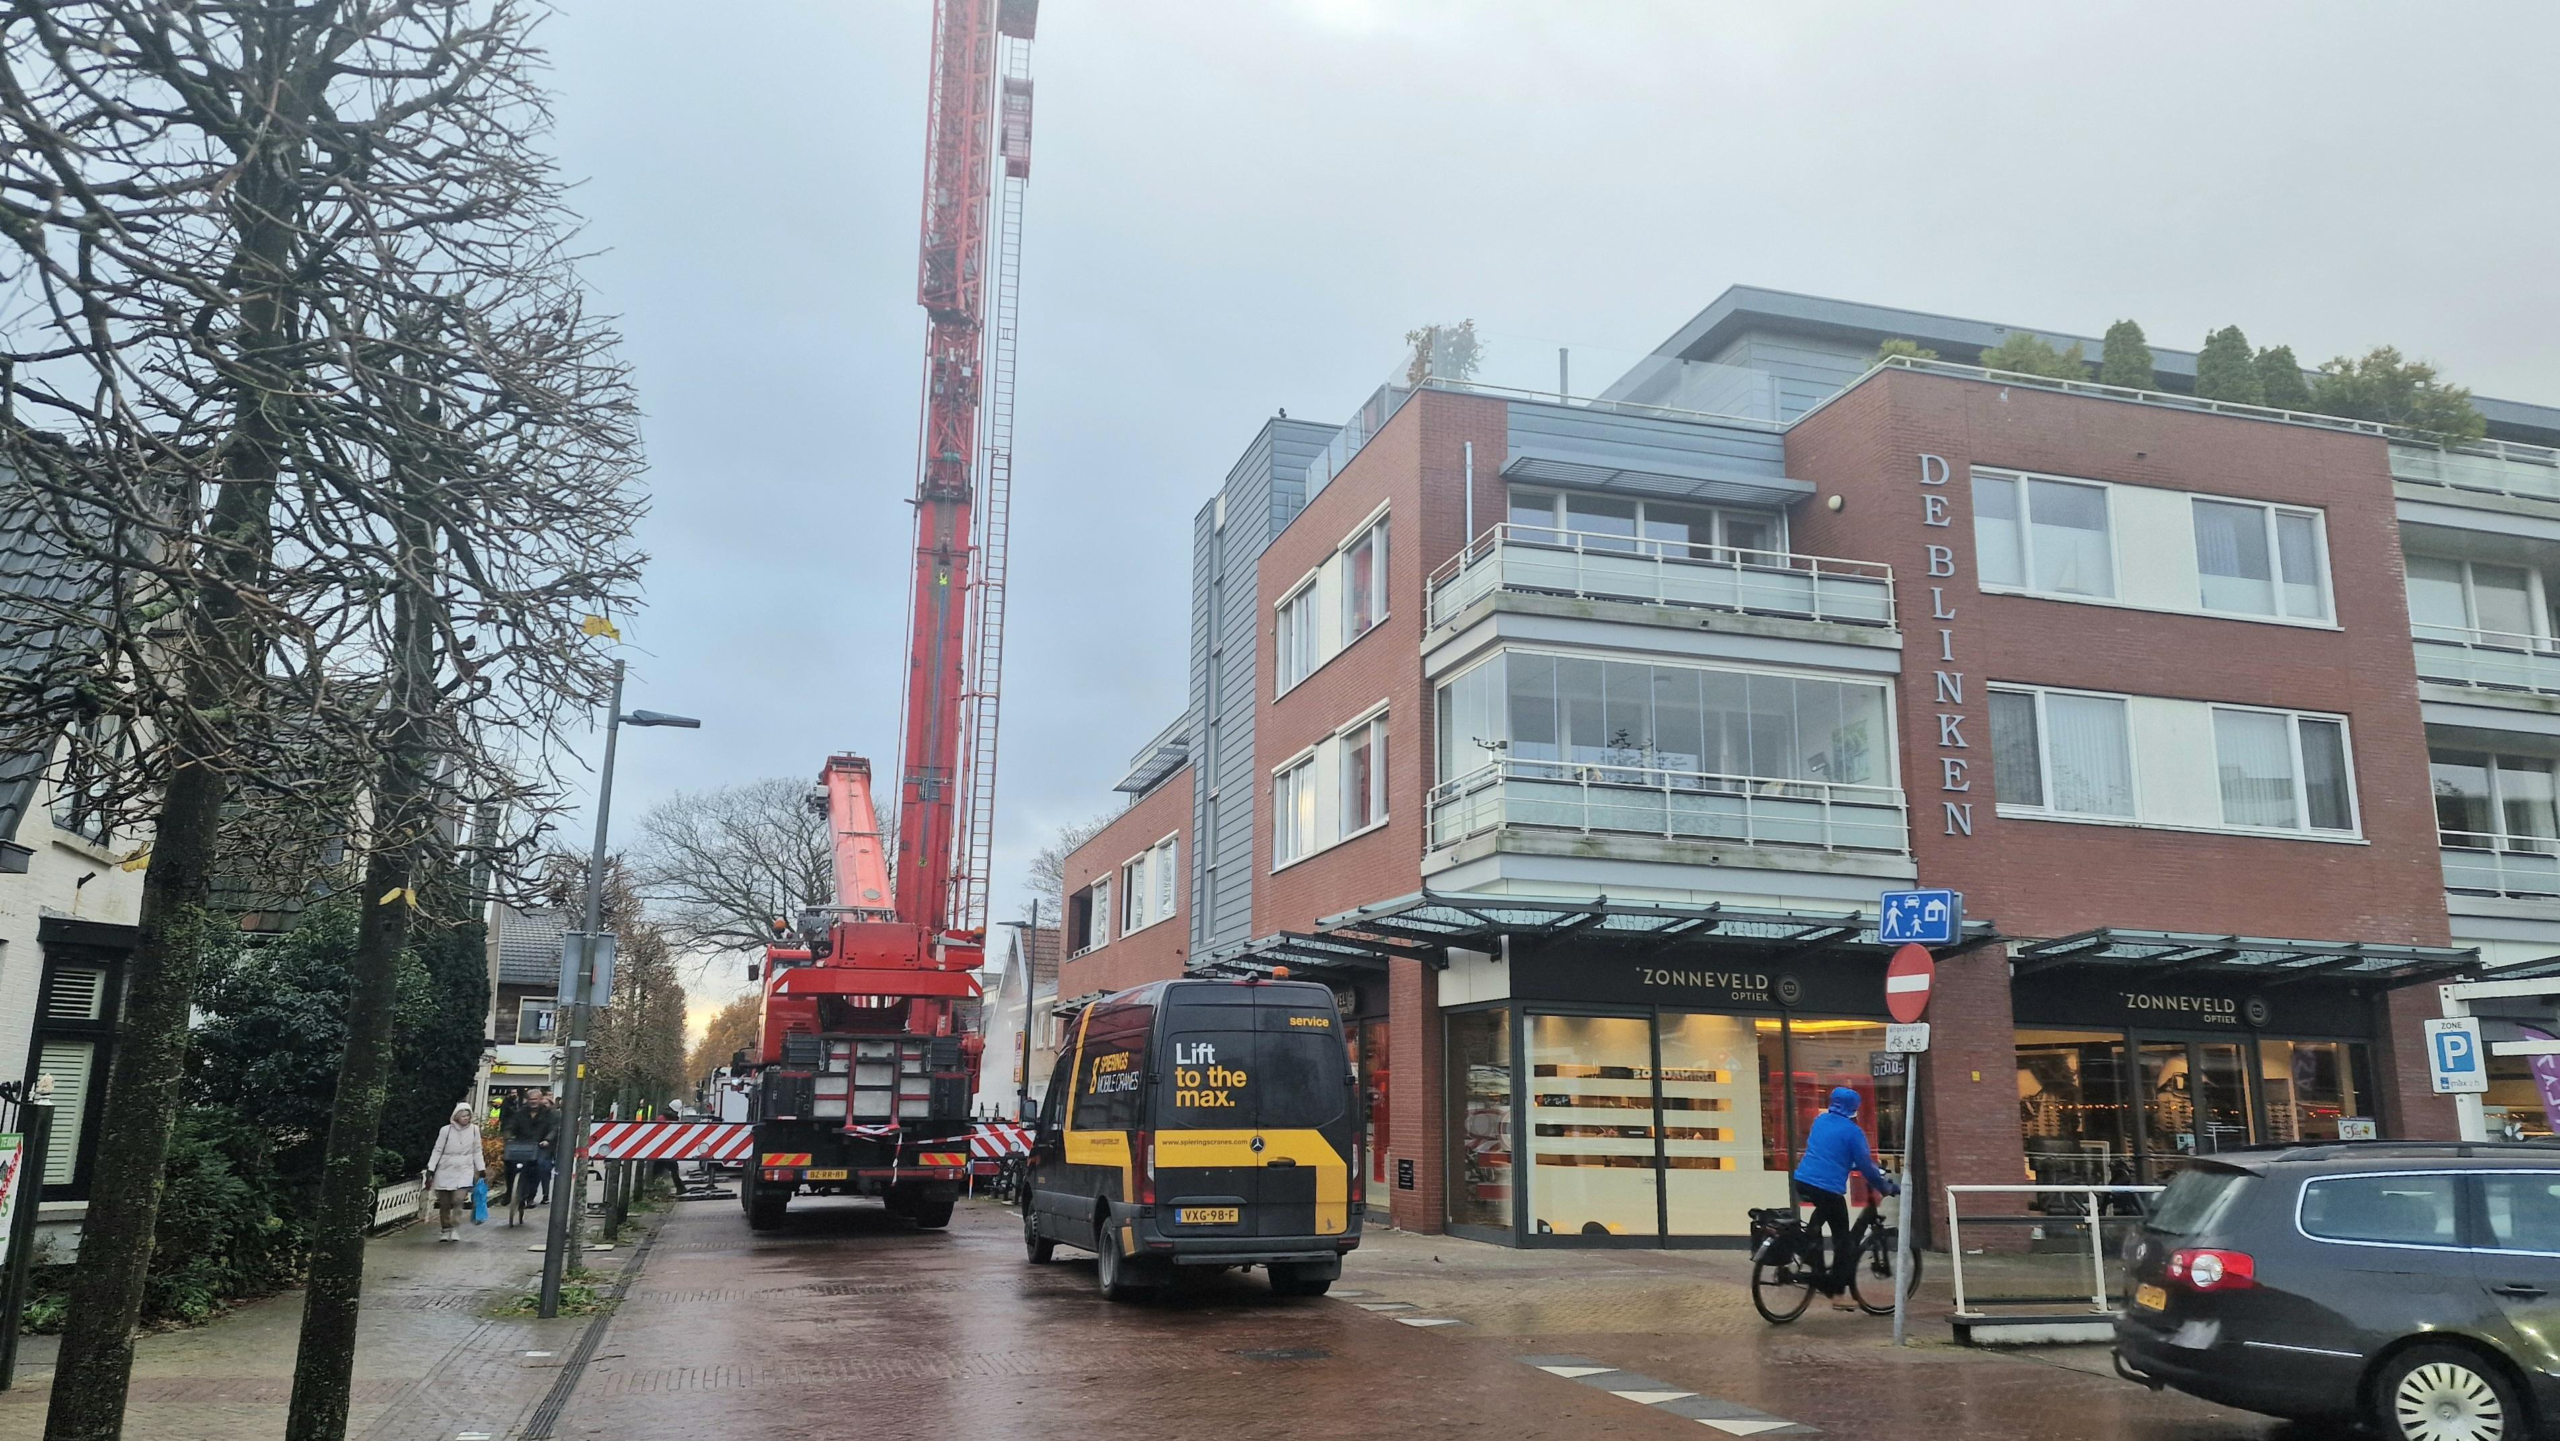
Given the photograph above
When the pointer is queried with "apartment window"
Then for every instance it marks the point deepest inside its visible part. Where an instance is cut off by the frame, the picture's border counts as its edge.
(1297, 636)
(2261, 560)
(1098, 913)
(1364, 582)
(1293, 812)
(535, 1020)
(2050, 537)
(2467, 599)
(2282, 771)
(1601, 522)
(1549, 714)
(1146, 886)
(2495, 802)
(1363, 771)
(2063, 753)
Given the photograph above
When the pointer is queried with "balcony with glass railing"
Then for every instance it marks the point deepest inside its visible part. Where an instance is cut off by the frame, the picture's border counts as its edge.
(2488, 467)
(2515, 867)
(1670, 805)
(1542, 560)
(2487, 659)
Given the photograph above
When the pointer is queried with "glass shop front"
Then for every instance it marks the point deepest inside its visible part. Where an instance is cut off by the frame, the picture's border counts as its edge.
(1616, 1101)
(2123, 1079)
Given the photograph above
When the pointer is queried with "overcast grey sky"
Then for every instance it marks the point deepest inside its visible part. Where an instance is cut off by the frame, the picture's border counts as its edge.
(1242, 206)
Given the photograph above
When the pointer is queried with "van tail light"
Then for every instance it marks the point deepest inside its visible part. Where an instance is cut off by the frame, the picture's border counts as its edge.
(2210, 1270)
(1359, 1175)
(1143, 1152)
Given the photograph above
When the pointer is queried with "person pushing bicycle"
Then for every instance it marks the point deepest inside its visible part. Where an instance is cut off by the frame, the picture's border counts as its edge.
(1834, 1147)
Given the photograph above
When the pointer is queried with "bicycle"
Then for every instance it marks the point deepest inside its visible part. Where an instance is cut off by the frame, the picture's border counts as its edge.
(1010, 1173)
(1786, 1262)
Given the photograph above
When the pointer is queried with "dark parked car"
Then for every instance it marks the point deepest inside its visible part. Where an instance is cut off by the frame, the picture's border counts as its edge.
(2414, 1286)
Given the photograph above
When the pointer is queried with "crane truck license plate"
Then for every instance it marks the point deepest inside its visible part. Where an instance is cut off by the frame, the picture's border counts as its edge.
(824, 1173)
(1208, 1215)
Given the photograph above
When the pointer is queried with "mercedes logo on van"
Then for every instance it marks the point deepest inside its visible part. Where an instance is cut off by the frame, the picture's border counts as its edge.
(1257, 1145)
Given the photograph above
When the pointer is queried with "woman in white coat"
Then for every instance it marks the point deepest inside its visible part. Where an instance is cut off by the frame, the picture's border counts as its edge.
(454, 1163)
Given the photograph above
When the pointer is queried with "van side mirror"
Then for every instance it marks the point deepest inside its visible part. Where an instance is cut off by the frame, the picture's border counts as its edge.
(755, 970)
(739, 1060)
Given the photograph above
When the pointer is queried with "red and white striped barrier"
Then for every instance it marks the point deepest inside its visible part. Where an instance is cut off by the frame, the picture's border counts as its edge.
(993, 1139)
(670, 1140)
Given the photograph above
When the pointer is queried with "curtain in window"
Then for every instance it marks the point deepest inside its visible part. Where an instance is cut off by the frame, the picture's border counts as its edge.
(2502, 596)
(2069, 538)
(2017, 766)
(1998, 543)
(2525, 803)
(2255, 761)
(2092, 755)
(2306, 590)
(2232, 560)
(2324, 776)
(2435, 597)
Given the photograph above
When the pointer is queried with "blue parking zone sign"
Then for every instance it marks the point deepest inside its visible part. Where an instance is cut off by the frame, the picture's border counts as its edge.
(2456, 1056)
(1928, 918)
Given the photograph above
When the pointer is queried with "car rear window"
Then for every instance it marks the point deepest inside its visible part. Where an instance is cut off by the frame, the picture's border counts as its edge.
(2196, 1198)
(2415, 1209)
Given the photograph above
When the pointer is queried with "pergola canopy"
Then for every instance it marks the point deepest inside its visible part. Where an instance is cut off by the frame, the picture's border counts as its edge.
(2152, 954)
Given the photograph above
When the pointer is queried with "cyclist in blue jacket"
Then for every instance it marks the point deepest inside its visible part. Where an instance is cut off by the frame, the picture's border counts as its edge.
(1832, 1149)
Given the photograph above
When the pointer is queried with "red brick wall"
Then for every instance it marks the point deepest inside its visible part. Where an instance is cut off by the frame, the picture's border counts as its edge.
(1417, 465)
(2041, 878)
(1158, 952)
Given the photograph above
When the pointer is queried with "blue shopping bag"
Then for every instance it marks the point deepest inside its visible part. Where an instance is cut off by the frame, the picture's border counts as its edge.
(479, 1200)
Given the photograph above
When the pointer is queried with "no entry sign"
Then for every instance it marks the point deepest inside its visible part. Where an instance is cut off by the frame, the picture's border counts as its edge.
(1907, 982)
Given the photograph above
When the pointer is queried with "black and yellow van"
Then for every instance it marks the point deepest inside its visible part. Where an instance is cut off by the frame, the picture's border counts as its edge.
(1200, 1123)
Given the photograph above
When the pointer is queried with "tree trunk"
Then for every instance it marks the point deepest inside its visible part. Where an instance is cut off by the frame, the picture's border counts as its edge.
(324, 1362)
(224, 667)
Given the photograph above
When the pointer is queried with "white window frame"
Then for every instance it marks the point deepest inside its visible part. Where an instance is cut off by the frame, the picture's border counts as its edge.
(2537, 603)
(1148, 895)
(2044, 759)
(2301, 779)
(1372, 725)
(2353, 835)
(1776, 520)
(1373, 538)
(1097, 932)
(2027, 536)
(2268, 511)
(1286, 780)
(1294, 634)
(2499, 837)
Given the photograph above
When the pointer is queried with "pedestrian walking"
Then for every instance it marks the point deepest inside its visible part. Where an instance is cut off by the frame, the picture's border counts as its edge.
(452, 1165)
(539, 1123)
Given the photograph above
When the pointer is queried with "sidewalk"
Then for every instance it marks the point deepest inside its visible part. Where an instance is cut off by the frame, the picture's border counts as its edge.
(431, 1363)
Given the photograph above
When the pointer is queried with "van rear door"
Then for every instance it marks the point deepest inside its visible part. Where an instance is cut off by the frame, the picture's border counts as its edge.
(1253, 1112)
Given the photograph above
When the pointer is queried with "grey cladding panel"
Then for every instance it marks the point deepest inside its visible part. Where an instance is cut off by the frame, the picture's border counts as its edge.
(1634, 441)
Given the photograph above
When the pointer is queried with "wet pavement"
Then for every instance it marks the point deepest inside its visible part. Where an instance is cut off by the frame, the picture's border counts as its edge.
(848, 1323)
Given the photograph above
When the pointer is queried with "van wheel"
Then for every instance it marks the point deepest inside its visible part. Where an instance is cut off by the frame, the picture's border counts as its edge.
(2445, 1393)
(1119, 1276)
(1289, 1280)
(1038, 1248)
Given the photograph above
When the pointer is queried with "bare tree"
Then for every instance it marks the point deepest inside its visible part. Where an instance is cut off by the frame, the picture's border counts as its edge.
(296, 375)
(1049, 863)
(717, 867)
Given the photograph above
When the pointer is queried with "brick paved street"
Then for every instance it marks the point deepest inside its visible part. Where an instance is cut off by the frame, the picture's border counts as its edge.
(848, 1324)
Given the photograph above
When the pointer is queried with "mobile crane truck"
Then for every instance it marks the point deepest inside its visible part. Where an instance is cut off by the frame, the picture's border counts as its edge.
(866, 1061)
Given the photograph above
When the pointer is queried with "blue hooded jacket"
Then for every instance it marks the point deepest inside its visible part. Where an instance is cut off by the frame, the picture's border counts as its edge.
(1836, 1146)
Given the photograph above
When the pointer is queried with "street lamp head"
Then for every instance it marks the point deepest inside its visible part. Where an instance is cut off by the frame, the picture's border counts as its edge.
(661, 718)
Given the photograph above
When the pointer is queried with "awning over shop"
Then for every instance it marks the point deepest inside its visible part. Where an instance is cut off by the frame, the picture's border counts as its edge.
(1426, 926)
(2153, 954)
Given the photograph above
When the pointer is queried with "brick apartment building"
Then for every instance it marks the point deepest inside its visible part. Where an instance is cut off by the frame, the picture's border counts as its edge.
(1573, 738)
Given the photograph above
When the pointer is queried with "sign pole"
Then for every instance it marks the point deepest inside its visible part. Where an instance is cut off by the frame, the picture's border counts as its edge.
(1910, 1189)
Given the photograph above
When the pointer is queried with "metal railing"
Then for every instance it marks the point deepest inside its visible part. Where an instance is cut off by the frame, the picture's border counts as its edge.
(2092, 1214)
(1510, 793)
(397, 1202)
(1589, 565)
(2492, 659)
(2522, 867)
(2496, 467)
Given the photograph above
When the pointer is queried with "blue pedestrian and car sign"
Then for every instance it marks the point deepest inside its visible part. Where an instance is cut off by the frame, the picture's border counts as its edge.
(1928, 918)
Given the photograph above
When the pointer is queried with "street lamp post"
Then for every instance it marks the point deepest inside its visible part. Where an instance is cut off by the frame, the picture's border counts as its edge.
(1029, 933)
(564, 1201)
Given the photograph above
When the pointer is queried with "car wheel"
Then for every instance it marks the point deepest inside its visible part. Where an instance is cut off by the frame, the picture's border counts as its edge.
(2445, 1393)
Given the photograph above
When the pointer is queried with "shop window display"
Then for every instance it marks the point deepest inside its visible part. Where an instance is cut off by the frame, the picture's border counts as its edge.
(1723, 1150)
(2307, 1087)
(1591, 1126)
(1826, 1054)
(2072, 1108)
(1480, 1148)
